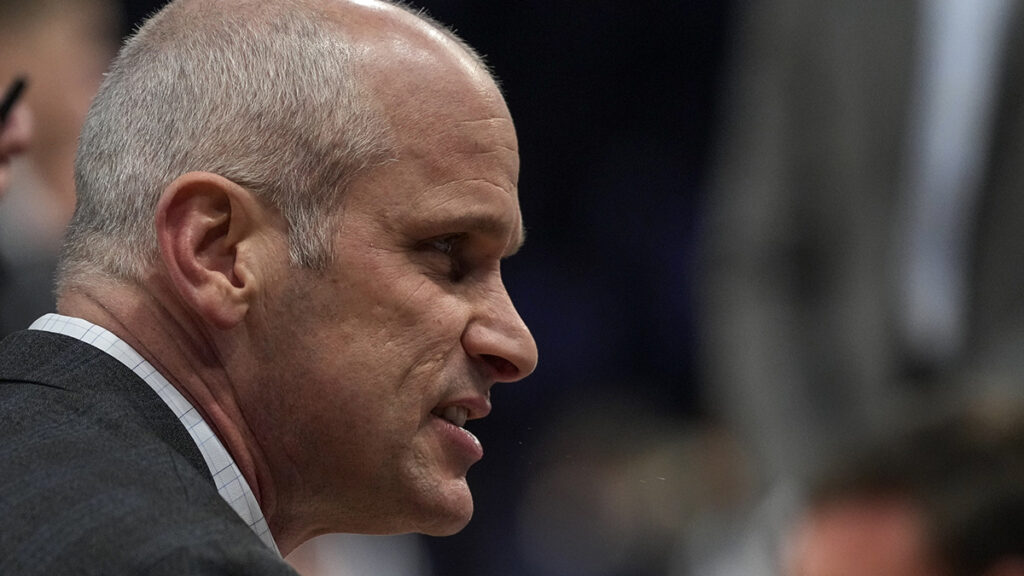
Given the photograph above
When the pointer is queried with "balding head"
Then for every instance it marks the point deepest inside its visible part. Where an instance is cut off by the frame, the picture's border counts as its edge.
(311, 201)
(288, 98)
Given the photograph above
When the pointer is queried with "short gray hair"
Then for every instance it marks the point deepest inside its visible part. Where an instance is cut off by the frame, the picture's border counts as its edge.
(267, 95)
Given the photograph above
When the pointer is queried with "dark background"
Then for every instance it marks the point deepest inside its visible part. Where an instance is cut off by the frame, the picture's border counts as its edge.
(613, 104)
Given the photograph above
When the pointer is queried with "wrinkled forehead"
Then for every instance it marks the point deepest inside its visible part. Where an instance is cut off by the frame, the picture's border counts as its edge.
(444, 110)
(437, 97)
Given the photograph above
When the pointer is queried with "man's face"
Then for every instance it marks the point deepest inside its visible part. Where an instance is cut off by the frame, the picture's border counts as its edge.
(372, 366)
(861, 538)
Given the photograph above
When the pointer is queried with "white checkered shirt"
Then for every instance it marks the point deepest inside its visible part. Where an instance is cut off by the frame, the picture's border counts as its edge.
(229, 480)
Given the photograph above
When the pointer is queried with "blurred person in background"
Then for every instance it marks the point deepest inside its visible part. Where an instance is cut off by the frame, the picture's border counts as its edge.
(15, 135)
(63, 47)
(621, 490)
(864, 254)
(945, 498)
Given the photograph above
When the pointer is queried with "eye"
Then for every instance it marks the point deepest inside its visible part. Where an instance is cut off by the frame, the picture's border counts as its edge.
(449, 246)
(445, 244)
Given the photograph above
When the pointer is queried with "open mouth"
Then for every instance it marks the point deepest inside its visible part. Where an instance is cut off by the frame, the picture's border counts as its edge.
(457, 415)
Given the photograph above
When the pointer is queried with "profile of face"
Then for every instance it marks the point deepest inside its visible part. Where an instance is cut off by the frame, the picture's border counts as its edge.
(373, 366)
(860, 538)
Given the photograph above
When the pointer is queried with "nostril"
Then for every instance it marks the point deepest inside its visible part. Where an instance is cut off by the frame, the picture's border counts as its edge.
(503, 368)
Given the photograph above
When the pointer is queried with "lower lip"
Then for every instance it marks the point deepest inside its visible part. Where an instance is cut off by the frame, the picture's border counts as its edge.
(464, 442)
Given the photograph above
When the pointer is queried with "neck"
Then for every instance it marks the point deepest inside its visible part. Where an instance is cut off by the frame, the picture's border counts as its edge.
(187, 353)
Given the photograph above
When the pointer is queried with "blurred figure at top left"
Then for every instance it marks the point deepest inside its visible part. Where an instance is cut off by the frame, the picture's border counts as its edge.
(62, 47)
(15, 135)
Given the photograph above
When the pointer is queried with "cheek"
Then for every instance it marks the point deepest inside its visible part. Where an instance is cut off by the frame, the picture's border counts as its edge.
(376, 357)
(419, 332)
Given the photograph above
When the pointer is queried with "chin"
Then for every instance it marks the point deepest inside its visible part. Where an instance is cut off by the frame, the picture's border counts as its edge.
(446, 528)
(448, 518)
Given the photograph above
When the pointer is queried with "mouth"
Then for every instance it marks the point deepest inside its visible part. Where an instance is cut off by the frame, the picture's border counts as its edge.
(457, 415)
(451, 420)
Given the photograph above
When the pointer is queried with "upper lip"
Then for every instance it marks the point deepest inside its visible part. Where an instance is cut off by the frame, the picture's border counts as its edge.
(478, 406)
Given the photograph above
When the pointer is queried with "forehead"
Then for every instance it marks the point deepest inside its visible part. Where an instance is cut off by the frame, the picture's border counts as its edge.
(418, 71)
(452, 133)
(459, 179)
(455, 154)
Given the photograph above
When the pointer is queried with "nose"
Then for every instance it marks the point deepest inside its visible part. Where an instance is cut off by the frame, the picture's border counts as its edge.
(498, 337)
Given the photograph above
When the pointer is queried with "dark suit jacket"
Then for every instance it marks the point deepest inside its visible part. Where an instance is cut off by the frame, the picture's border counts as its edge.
(805, 222)
(97, 476)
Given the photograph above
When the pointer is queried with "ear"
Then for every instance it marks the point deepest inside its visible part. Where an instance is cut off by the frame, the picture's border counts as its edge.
(202, 220)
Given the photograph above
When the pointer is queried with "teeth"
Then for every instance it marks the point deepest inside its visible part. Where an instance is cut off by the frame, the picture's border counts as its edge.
(456, 415)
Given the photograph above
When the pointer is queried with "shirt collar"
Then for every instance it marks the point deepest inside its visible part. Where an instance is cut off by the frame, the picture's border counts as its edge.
(229, 480)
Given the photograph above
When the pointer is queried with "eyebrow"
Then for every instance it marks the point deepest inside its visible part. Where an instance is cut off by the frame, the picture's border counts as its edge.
(488, 225)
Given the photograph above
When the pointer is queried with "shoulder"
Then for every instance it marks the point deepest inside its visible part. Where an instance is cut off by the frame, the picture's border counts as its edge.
(216, 557)
(101, 502)
(153, 550)
(99, 477)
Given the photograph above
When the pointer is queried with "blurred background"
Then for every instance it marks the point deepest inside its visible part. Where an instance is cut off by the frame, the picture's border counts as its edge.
(760, 233)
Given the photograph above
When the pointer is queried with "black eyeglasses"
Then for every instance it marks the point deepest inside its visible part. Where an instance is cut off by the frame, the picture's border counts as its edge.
(11, 98)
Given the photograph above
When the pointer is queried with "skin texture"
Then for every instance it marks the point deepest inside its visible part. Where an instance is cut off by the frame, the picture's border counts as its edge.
(326, 386)
(861, 538)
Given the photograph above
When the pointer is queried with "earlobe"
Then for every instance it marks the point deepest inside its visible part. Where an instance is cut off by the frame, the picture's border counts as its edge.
(201, 221)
